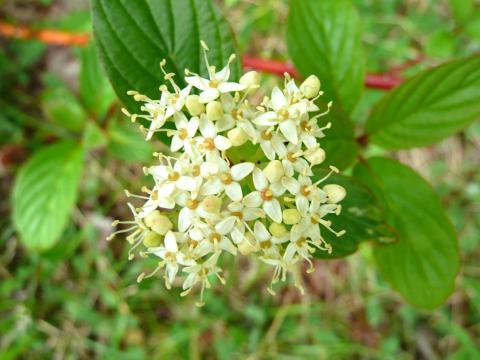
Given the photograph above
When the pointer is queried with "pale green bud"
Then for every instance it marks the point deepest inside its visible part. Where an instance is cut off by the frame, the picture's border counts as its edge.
(158, 222)
(194, 106)
(212, 204)
(214, 111)
(315, 156)
(291, 216)
(310, 87)
(335, 193)
(250, 79)
(152, 239)
(237, 136)
(277, 230)
(274, 171)
(247, 245)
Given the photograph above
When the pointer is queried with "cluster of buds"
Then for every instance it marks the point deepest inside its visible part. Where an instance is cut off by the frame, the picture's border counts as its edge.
(203, 204)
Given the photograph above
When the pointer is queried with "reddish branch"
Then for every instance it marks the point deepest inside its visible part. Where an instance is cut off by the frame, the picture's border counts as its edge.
(377, 81)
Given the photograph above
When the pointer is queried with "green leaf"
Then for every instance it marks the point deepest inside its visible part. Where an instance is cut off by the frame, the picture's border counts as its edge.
(95, 90)
(94, 137)
(134, 36)
(61, 107)
(45, 193)
(324, 38)
(424, 263)
(339, 142)
(127, 143)
(429, 107)
(462, 10)
(362, 217)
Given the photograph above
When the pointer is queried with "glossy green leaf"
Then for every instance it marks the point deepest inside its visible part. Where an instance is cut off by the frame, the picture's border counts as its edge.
(362, 218)
(134, 36)
(324, 38)
(127, 143)
(423, 264)
(45, 193)
(95, 90)
(428, 107)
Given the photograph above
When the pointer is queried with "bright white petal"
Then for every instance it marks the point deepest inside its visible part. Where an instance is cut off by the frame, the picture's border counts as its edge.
(192, 126)
(222, 143)
(207, 128)
(302, 204)
(184, 219)
(198, 82)
(177, 144)
(186, 183)
(208, 95)
(268, 150)
(289, 130)
(278, 99)
(226, 225)
(273, 210)
(242, 170)
(269, 118)
(260, 231)
(234, 191)
(171, 242)
(226, 87)
(259, 179)
(252, 200)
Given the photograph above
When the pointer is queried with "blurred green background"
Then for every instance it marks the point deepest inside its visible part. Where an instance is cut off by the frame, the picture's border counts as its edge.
(80, 300)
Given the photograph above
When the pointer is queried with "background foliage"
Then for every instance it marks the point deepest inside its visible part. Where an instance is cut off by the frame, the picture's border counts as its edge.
(64, 292)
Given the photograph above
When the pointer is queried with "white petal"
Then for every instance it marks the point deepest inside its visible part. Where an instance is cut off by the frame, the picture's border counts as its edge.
(242, 170)
(260, 231)
(171, 270)
(171, 242)
(266, 119)
(252, 213)
(238, 235)
(184, 219)
(278, 99)
(198, 82)
(223, 74)
(226, 87)
(181, 121)
(226, 225)
(227, 245)
(302, 204)
(208, 169)
(278, 146)
(192, 126)
(234, 191)
(259, 179)
(289, 130)
(273, 210)
(212, 186)
(252, 200)
(225, 123)
(222, 143)
(291, 184)
(277, 189)
(177, 143)
(207, 128)
(186, 183)
(208, 95)
(268, 150)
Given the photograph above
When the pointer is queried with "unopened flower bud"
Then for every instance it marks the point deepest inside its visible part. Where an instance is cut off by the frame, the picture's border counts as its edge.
(194, 106)
(291, 216)
(212, 204)
(310, 87)
(214, 111)
(158, 222)
(278, 230)
(274, 171)
(247, 245)
(250, 79)
(152, 239)
(335, 193)
(315, 156)
(237, 136)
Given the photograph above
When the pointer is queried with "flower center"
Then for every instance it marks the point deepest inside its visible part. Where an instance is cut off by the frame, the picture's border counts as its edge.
(305, 126)
(192, 243)
(301, 242)
(173, 176)
(283, 114)
(304, 190)
(182, 134)
(237, 114)
(192, 204)
(170, 256)
(209, 144)
(291, 157)
(173, 99)
(154, 195)
(196, 170)
(266, 244)
(215, 237)
(266, 135)
(266, 195)
(238, 214)
(213, 83)
(226, 178)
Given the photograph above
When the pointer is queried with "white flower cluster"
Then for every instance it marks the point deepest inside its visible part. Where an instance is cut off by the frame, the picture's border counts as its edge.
(204, 205)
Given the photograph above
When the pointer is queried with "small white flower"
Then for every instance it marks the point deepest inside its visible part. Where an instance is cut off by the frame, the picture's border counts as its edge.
(210, 142)
(183, 137)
